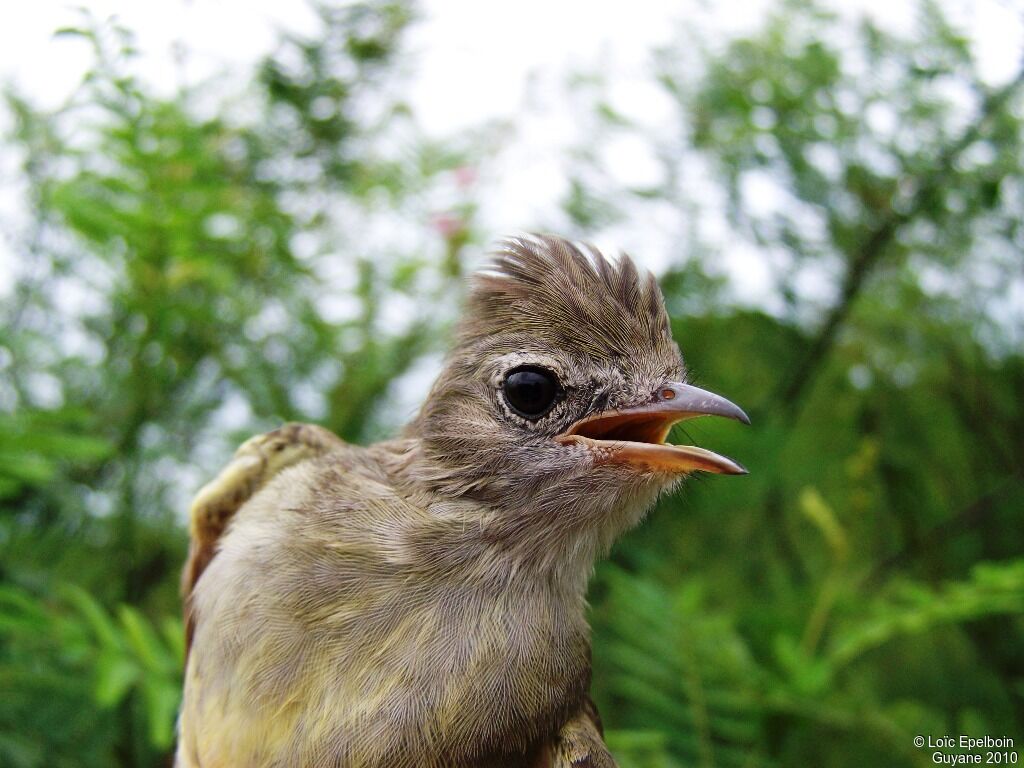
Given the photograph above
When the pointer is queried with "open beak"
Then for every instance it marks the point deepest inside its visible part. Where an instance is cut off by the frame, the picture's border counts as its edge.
(636, 436)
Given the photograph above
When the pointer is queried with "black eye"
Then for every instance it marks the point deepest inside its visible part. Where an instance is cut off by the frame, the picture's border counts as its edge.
(531, 392)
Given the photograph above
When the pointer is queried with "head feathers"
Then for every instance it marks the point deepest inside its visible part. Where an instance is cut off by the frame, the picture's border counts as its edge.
(600, 326)
(546, 287)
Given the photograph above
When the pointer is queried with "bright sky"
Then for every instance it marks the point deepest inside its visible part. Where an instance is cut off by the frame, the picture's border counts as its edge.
(473, 61)
(473, 57)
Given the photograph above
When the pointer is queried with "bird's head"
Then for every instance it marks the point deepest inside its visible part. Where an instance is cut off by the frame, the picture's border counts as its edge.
(560, 392)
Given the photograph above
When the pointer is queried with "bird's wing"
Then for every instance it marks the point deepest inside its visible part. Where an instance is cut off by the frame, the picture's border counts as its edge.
(255, 463)
(580, 743)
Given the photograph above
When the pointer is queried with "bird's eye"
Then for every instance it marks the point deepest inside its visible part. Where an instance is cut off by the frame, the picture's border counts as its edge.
(531, 392)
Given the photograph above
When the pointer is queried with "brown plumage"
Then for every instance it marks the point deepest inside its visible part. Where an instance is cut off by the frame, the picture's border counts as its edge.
(420, 602)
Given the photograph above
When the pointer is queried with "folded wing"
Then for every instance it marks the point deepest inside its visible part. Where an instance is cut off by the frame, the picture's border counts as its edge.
(255, 463)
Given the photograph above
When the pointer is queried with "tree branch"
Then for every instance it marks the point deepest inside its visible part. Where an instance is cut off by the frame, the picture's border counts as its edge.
(868, 256)
(949, 528)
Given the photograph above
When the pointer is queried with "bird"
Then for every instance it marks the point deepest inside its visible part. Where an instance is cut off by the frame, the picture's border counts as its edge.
(422, 601)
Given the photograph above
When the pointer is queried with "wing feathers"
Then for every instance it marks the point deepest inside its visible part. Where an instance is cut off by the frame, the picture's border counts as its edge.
(255, 463)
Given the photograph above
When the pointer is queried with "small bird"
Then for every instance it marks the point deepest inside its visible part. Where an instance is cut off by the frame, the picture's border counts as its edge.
(422, 601)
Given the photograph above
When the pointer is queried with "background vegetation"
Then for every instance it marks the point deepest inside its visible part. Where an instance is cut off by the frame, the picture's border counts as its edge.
(201, 267)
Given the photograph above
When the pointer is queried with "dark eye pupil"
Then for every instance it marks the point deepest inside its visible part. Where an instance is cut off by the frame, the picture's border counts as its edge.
(531, 392)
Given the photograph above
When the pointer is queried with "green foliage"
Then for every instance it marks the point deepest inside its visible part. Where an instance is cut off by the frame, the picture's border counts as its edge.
(34, 445)
(912, 609)
(200, 268)
(699, 705)
(74, 663)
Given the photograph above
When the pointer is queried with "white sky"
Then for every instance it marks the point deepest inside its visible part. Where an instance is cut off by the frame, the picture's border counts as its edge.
(473, 58)
(473, 61)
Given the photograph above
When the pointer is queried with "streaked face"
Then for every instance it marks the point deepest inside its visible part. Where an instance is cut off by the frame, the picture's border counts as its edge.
(566, 366)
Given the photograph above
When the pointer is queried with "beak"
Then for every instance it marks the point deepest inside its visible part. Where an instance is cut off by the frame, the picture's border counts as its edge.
(636, 436)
